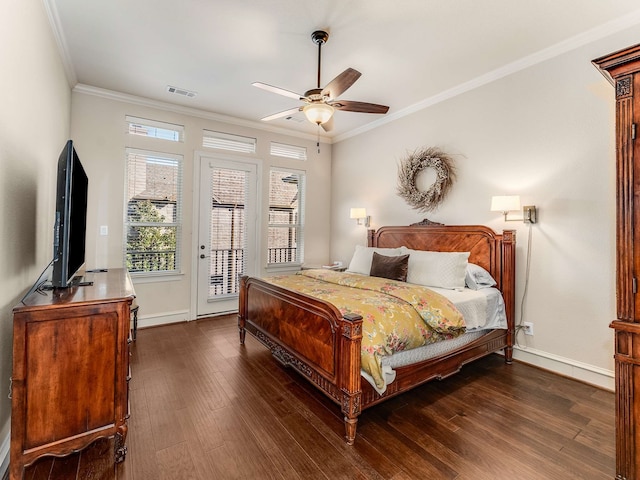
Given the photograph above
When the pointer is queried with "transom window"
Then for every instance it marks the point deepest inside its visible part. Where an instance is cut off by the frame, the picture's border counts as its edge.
(228, 141)
(154, 129)
(288, 151)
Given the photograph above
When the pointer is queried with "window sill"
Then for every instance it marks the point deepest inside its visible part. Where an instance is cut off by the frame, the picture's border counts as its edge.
(139, 278)
(283, 267)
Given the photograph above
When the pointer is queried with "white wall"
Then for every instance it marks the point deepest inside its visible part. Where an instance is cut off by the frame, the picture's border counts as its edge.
(547, 134)
(34, 125)
(98, 128)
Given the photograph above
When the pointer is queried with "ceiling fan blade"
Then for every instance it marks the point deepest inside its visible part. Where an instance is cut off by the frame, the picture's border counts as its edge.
(328, 125)
(291, 111)
(362, 107)
(278, 90)
(339, 85)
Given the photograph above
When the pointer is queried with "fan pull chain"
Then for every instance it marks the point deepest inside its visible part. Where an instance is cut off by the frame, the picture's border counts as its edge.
(318, 140)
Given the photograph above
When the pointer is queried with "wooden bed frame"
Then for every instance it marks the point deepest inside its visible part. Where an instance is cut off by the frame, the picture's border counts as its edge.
(312, 336)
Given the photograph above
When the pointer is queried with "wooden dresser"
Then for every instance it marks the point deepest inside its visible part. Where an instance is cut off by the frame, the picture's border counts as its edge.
(623, 70)
(71, 369)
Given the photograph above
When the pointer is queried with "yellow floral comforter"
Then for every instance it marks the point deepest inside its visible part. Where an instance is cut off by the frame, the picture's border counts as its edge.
(396, 315)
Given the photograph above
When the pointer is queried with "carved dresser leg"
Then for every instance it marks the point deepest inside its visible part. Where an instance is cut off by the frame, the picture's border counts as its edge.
(119, 448)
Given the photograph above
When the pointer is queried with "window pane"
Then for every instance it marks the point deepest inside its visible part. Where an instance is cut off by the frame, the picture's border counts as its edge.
(154, 129)
(283, 245)
(283, 193)
(152, 177)
(228, 141)
(286, 198)
(153, 215)
(288, 151)
(151, 249)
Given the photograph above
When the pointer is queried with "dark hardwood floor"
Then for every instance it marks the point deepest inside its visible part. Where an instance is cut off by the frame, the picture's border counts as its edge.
(203, 407)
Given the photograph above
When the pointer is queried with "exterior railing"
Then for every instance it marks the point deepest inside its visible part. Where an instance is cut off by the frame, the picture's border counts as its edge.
(283, 255)
(146, 261)
(226, 267)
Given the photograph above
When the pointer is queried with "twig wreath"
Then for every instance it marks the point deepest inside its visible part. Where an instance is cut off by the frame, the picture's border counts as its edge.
(412, 165)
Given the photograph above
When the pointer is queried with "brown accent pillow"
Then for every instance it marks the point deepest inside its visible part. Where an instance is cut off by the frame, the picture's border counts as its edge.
(393, 268)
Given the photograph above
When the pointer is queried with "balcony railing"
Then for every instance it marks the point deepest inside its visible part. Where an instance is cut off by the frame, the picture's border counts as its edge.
(225, 270)
(146, 261)
(227, 266)
(283, 255)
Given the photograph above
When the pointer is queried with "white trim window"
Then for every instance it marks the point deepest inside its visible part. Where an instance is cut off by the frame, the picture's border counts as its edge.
(154, 129)
(228, 142)
(285, 241)
(288, 151)
(153, 212)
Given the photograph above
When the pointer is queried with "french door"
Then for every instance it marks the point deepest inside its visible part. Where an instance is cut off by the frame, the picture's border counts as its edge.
(227, 231)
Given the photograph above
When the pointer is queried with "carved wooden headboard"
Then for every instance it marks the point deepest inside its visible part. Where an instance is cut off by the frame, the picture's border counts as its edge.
(492, 251)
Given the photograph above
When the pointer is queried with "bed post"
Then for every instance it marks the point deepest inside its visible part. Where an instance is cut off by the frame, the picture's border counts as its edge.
(242, 308)
(351, 387)
(370, 235)
(508, 271)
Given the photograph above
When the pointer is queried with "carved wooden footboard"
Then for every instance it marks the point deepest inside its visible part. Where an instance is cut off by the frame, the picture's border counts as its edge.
(311, 335)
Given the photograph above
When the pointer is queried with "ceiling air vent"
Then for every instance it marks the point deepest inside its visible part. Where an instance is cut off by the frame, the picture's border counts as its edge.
(180, 91)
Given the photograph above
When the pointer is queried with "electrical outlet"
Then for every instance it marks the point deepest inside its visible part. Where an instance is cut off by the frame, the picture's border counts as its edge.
(528, 328)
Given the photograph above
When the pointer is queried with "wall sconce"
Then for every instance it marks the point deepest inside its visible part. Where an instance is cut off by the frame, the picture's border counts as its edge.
(360, 214)
(511, 203)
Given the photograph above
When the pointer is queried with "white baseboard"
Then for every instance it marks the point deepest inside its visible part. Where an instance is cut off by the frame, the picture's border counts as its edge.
(4, 454)
(163, 319)
(568, 367)
(599, 377)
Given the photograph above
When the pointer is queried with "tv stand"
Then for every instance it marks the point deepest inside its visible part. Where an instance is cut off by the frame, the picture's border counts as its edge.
(71, 374)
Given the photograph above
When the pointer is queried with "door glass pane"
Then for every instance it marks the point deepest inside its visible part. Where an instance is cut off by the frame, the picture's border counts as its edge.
(228, 233)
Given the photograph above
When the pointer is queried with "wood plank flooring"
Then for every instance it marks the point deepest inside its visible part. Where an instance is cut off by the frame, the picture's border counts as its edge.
(203, 407)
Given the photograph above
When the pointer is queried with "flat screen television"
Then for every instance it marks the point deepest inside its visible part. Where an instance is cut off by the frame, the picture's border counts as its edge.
(69, 231)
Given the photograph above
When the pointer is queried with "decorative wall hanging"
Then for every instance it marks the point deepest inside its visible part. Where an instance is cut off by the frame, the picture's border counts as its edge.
(408, 171)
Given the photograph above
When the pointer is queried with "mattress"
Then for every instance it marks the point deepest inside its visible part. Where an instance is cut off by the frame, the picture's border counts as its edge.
(482, 309)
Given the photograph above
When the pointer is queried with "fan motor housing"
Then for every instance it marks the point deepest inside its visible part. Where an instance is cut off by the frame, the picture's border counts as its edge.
(319, 37)
(314, 94)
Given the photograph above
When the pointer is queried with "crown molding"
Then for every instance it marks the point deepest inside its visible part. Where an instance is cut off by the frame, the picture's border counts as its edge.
(194, 112)
(58, 34)
(572, 43)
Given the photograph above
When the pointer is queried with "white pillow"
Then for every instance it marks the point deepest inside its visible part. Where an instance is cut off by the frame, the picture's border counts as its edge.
(363, 256)
(477, 277)
(436, 269)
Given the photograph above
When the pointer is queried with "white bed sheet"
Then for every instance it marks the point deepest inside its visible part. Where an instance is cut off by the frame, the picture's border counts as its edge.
(482, 310)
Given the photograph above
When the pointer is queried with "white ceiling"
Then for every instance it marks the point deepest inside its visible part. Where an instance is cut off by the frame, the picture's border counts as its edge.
(410, 52)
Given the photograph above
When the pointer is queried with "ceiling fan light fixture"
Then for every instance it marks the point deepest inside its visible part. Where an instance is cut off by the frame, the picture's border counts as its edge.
(318, 113)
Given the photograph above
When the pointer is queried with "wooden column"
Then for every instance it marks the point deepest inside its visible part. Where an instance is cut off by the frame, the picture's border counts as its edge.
(622, 69)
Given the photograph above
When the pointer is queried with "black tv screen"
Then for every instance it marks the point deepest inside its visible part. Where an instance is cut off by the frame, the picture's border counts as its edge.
(69, 231)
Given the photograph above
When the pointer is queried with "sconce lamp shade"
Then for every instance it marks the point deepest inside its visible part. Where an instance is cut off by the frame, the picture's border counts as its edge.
(318, 112)
(505, 203)
(358, 213)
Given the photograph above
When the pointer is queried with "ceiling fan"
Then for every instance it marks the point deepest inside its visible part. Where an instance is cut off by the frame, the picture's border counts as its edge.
(320, 103)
